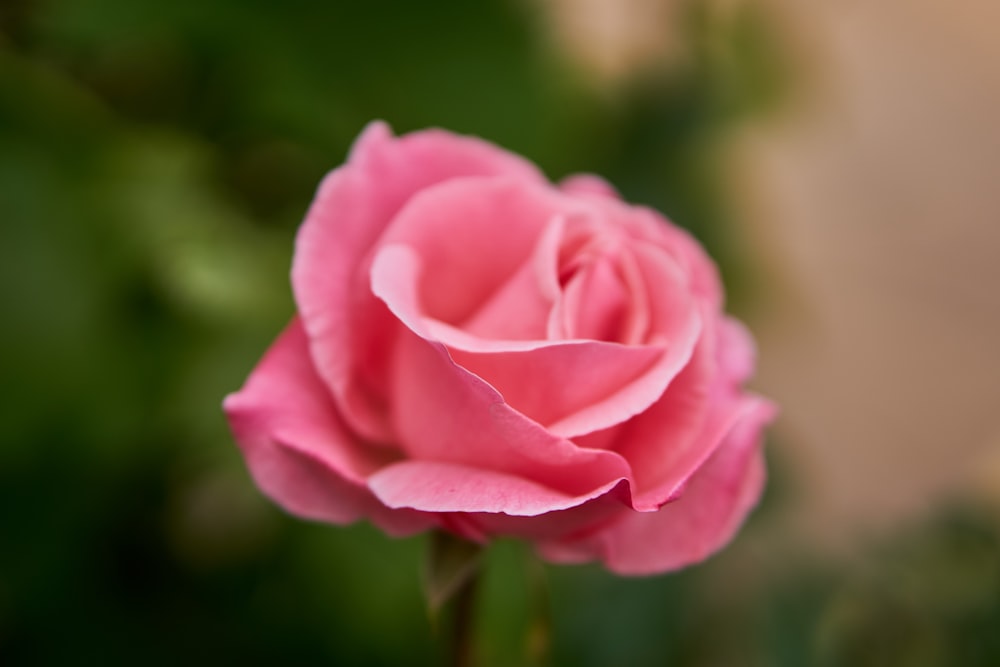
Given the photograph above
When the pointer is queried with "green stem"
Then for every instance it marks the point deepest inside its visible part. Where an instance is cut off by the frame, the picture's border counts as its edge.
(538, 641)
(463, 623)
(451, 578)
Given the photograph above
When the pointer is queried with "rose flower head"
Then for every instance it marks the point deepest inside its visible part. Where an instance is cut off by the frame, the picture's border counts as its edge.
(479, 351)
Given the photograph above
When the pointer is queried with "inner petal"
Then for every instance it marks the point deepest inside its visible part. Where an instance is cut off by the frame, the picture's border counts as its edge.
(473, 236)
(596, 303)
(517, 310)
(556, 382)
(601, 290)
(572, 386)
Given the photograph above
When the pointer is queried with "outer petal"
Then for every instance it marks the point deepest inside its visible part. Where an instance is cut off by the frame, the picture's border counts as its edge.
(473, 236)
(444, 413)
(298, 451)
(352, 208)
(737, 351)
(569, 524)
(669, 442)
(588, 185)
(448, 487)
(689, 529)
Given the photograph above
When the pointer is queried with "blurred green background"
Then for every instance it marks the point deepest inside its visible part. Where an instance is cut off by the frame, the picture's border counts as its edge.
(155, 161)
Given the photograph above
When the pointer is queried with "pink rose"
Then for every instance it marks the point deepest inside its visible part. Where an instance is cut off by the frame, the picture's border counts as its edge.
(479, 351)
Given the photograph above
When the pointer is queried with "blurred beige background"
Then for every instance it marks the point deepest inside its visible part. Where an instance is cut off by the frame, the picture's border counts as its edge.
(871, 204)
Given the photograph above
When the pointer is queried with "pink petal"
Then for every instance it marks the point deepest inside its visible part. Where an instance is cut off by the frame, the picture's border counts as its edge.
(298, 450)
(443, 413)
(736, 352)
(715, 502)
(433, 486)
(670, 441)
(434, 155)
(608, 299)
(346, 325)
(519, 309)
(473, 237)
(670, 297)
(660, 441)
(588, 185)
(567, 524)
(596, 303)
(649, 225)
(572, 387)
(593, 281)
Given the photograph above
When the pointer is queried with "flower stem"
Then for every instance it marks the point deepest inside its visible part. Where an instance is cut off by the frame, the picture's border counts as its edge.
(463, 623)
(539, 637)
(451, 579)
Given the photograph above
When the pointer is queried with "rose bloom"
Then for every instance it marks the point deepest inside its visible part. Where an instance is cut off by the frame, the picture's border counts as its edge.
(479, 351)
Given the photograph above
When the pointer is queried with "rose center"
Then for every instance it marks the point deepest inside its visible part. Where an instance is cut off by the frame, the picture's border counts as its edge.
(600, 297)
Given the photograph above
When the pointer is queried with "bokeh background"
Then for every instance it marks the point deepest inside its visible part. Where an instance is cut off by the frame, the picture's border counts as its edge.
(840, 160)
